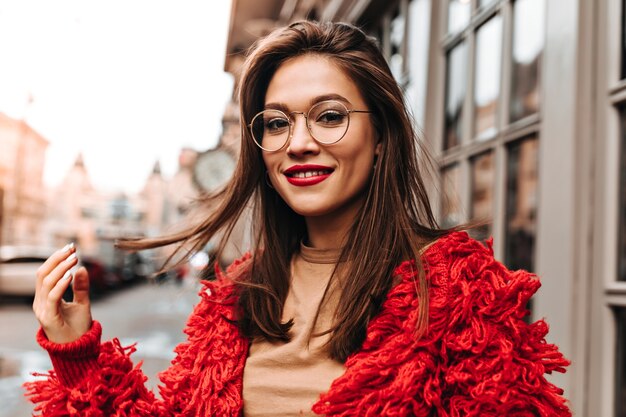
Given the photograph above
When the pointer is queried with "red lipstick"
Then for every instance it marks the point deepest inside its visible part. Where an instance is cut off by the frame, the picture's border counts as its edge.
(305, 175)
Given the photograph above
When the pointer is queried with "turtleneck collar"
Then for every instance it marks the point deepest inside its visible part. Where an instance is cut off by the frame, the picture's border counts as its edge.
(319, 256)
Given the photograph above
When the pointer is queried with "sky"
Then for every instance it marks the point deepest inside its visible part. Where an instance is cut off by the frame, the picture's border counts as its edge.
(124, 82)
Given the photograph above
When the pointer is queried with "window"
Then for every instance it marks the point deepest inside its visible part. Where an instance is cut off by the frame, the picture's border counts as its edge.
(623, 41)
(392, 32)
(481, 209)
(458, 15)
(418, 34)
(404, 34)
(455, 93)
(614, 283)
(397, 41)
(621, 267)
(620, 365)
(493, 49)
(521, 204)
(487, 77)
(528, 42)
(484, 3)
(451, 203)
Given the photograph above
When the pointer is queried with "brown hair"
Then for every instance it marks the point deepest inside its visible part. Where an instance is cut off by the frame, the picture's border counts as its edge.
(394, 223)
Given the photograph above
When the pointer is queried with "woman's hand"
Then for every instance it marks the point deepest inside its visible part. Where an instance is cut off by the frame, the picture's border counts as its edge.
(62, 321)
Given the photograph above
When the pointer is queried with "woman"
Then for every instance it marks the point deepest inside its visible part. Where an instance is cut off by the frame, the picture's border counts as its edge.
(352, 303)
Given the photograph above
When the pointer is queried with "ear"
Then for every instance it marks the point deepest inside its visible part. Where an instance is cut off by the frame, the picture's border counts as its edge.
(378, 147)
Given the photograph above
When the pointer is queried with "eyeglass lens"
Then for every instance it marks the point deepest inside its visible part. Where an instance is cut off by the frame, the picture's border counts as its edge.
(327, 122)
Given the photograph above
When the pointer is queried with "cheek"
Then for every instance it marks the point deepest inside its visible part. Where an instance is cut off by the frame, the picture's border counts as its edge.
(269, 163)
(272, 162)
(360, 156)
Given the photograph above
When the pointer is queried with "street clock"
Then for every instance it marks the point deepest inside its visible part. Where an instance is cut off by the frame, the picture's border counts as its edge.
(213, 169)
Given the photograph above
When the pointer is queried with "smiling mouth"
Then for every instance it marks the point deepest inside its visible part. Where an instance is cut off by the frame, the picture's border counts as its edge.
(308, 174)
(302, 176)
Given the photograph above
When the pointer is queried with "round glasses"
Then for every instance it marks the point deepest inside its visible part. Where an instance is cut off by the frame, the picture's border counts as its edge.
(327, 122)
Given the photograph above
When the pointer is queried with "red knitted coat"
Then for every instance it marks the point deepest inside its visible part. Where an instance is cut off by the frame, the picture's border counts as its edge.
(478, 358)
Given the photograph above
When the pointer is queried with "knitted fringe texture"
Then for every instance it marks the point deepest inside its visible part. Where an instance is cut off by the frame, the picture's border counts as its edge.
(204, 380)
(478, 358)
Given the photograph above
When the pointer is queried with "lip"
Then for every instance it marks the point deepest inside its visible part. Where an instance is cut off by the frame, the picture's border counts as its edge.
(308, 181)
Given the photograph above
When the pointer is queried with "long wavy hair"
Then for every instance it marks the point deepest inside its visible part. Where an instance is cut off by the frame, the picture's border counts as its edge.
(395, 222)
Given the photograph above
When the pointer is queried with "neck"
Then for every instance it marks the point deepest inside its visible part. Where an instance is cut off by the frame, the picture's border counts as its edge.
(330, 231)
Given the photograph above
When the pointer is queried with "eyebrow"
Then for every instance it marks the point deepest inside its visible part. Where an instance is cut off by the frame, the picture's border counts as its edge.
(325, 97)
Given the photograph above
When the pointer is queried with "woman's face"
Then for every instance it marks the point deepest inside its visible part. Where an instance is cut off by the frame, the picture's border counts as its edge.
(312, 178)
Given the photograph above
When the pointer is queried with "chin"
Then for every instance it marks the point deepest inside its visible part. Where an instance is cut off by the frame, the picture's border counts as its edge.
(310, 211)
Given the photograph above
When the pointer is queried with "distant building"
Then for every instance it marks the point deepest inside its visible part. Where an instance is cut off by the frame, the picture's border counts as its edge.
(22, 194)
(80, 213)
(94, 219)
(181, 190)
(155, 202)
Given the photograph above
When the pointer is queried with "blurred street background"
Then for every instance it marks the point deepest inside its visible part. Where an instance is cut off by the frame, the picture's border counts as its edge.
(114, 116)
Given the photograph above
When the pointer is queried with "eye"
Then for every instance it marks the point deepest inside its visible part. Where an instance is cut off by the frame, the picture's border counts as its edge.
(276, 125)
(331, 118)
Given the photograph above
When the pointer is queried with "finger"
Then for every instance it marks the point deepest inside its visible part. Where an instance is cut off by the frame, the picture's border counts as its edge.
(56, 293)
(56, 274)
(81, 286)
(51, 263)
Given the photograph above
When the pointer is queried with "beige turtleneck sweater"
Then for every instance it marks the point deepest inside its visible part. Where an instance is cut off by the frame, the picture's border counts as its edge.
(286, 379)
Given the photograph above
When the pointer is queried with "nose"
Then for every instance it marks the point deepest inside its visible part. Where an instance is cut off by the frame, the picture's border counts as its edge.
(301, 142)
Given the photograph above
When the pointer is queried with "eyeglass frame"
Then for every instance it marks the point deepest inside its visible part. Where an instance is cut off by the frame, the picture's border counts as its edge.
(292, 122)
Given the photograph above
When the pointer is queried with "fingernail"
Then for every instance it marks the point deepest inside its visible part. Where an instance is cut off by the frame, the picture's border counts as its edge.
(67, 275)
(71, 257)
(68, 247)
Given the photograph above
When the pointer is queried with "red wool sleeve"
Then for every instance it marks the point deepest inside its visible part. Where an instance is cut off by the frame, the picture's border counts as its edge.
(100, 380)
(494, 362)
(92, 379)
(73, 361)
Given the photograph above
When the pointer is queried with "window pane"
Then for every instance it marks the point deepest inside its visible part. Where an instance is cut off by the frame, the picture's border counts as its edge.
(483, 178)
(456, 70)
(450, 201)
(623, 39)
(620, 363)
(521, 204)
(417, 48)
(528, 42)
(458, 15)
(621, 275)
(396, 41)
(487, 77)
(483, 3)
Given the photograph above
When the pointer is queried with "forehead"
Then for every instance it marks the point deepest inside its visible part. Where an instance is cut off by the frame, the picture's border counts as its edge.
(298, 81)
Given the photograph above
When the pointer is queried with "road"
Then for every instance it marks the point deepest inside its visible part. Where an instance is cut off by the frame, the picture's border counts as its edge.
(152, 315)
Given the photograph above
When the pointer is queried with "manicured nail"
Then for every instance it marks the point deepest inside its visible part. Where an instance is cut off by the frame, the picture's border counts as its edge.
(71, 257)
(67, 275)
(68, 247)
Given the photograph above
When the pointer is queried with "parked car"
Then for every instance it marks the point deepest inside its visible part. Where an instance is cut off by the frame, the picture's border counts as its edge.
(101, 279)
(18, 269)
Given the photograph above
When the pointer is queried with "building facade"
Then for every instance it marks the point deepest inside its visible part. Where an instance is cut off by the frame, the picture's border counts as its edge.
(22, 193)
(94, 219)
(523, 104)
